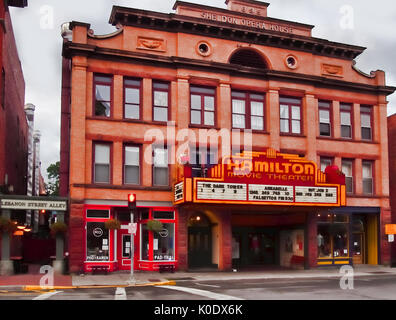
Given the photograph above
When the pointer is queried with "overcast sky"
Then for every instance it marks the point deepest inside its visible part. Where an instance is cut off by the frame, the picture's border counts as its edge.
(366, 23)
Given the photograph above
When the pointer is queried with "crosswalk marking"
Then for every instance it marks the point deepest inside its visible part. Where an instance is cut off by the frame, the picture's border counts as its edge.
(46, 295)
(120, 294)
(204, 293)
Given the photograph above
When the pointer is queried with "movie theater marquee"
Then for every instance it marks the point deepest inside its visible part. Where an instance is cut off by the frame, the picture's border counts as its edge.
(264, 178)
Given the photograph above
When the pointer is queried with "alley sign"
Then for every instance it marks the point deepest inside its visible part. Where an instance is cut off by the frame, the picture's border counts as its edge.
(33, 204)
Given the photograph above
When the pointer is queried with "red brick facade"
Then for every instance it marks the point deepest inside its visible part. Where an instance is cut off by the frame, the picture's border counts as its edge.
(224, 53)
(13, 124)
(392, 177)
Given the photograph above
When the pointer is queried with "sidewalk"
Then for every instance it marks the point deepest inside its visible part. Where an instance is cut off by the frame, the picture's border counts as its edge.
(144, 278)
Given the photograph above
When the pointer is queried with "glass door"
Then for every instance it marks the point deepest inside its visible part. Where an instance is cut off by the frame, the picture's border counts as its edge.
(358, 248)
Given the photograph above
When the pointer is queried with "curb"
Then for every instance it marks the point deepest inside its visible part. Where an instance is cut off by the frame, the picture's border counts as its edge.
(145, 284)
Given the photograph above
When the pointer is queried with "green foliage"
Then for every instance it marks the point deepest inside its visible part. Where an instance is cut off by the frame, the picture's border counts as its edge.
(7, 225)
(112, 224)
(154, 225)
(58, 228)
(52, 186)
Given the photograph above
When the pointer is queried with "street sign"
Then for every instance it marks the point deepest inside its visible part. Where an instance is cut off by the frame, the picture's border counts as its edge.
(132, 227)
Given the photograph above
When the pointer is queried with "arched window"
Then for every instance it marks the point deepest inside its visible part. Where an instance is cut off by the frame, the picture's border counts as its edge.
(248, 58)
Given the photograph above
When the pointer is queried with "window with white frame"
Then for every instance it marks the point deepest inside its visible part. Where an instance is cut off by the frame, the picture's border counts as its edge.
(346, 120)
(324, 119)
(131, 164)
(102, 163)
(160, 101)
(160, 167)
(366, 121)
(367, 175)
(347, 170)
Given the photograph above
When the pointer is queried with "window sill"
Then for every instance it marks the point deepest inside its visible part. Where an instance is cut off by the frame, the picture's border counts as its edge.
(200, 126)
(372, 196)
(253, 131)
(156, 123)
(283, 134)
(346, 140)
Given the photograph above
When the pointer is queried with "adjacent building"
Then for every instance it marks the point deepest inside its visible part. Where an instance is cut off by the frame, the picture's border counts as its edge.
(13, 123)
(253, 142)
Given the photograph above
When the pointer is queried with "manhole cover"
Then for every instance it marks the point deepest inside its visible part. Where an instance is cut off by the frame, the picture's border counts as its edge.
(182, 278)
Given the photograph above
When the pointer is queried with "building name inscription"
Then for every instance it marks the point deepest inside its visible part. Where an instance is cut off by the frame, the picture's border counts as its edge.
(246, 22)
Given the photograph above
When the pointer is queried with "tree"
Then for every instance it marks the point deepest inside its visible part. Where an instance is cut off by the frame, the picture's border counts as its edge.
(53, 179)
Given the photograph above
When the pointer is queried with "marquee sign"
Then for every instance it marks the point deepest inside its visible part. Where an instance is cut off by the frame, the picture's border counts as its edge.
(265, 178)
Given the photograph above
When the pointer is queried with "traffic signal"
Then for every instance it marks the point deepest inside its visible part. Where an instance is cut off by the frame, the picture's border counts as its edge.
(131, 201)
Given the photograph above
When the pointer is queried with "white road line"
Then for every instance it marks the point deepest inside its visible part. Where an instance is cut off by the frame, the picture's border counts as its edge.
(207, 285)
(204, 293)
(47, 295)
(120, 294)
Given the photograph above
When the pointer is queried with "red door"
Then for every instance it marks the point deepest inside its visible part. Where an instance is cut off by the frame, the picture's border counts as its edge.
(124, 249)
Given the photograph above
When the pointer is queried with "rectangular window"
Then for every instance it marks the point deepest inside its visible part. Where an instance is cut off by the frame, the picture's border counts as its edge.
(160, 101)
(202, 160)
(167, 215)
(131, 165)
(99, 214)
(160, 167)
(101, 163)
(346, 120)
(347, 169)
(203, 104)
(325, 162)
(290, 115)
(247, 110)
(333, 236)
(367, 176)
(132, 98)
(97, 242)
(324, 119)
(144, 242)
(164, 243)
(366, 120)
(103, 95)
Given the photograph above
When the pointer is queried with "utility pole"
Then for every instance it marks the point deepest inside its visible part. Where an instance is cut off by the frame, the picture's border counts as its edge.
(132, 231)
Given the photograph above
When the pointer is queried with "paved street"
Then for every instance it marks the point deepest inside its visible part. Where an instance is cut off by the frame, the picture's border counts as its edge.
(364, 288)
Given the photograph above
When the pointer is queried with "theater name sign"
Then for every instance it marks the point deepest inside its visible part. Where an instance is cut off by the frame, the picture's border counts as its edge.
(262, 178)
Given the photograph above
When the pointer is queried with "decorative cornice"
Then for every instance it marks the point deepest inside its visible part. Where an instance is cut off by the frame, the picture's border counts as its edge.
(71, 49)
(192, 25)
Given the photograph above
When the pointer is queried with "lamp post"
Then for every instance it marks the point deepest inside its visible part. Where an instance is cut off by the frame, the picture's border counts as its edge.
(131, 231)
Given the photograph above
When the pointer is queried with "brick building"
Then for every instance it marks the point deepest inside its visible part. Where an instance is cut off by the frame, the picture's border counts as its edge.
(13, 124)
(392, 176)
(229, 126)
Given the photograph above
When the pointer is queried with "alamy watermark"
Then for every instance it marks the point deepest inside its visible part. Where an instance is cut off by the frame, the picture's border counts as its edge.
(346, 281)
(347, 21)
(47, 280)
(46, 17)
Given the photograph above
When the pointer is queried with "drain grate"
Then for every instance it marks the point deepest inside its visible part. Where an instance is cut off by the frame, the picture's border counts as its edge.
(379, 272)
